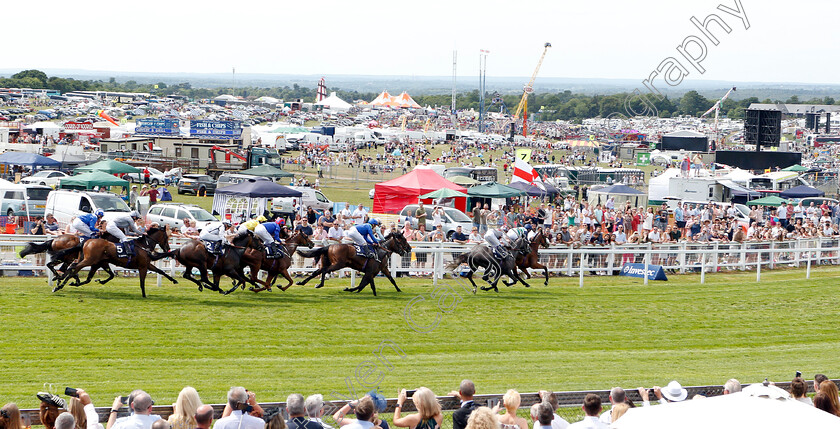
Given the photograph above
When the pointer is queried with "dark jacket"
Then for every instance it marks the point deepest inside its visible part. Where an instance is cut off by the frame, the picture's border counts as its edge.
(461, 415)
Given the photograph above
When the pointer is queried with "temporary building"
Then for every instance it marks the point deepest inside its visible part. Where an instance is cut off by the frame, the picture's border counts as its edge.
(333, 102)
(772, 201)
(405, 100)
(393, 195)
(91, 180)
(28, 159)
(531, 190)
(238, 201)
(620, 193)
(494, 190)
(383, 99)
(801, 191)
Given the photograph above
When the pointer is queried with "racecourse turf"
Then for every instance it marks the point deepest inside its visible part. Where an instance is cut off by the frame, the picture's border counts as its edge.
(613, 331)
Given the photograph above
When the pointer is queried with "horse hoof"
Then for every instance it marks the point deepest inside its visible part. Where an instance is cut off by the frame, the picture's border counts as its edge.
(319, 286)
(300, 283)
(56, 289)
(347, 289)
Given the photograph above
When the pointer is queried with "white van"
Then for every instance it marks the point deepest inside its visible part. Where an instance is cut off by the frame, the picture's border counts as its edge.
(65, 205)
(310, 198)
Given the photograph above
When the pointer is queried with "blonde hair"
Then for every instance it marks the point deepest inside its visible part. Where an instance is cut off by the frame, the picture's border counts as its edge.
(75, 407)
(618, 410)
(426, 403)
(512, 400)
(483, 418)
(185, 406)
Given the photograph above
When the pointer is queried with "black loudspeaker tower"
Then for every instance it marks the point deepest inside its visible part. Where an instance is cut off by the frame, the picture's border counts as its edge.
(762, 128)
(811, 121)
(828, 123)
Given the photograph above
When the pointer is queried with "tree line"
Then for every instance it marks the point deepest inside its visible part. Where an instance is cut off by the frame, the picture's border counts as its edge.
(563, 105)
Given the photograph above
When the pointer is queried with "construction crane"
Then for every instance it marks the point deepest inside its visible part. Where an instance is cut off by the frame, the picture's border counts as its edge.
(529, 88)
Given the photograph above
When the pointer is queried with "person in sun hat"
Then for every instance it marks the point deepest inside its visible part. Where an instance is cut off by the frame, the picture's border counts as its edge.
(673, 392)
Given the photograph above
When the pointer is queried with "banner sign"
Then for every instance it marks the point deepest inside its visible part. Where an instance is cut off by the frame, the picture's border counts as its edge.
(75, 126)
(654, 272)
(216, 129)
(158, 127)
(524, 154)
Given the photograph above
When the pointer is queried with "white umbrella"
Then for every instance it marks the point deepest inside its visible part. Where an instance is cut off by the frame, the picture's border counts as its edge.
(738, 410)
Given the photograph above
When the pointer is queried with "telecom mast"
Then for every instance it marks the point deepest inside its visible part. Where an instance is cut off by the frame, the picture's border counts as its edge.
(482, 77)
(454, 73)
(529, 88)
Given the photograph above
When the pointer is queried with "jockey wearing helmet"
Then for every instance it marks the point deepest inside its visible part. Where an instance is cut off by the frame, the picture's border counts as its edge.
(85, 225)
(364, 236)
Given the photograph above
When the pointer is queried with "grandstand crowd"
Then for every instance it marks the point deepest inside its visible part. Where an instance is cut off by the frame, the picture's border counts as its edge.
(242, 411)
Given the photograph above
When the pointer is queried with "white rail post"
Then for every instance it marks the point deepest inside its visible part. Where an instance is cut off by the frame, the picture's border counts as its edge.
(438, 260)
(581, 268)
(49, 273)
(743, 258)
(352, 278)
(683, 248)
(808, 266)
(772, 255)
(702, 271)
(758, 266)
(647, 262)
(571, 260)
(716, 255)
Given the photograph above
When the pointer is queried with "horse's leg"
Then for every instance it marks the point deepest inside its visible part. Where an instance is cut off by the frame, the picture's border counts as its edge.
(538, 266)
(151, 267)
(51, 266)
(285, 273)
(314, 274)
(388, 276)
(470, 278)
(142, 276)
(107, 268)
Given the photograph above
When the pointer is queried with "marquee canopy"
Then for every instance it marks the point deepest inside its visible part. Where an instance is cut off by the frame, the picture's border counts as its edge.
(393, 195)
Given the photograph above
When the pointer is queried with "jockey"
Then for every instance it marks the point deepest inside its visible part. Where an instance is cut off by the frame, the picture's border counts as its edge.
(269, 233)
(251, 225)
(85, 225)
(515, 233)
(492, 237)
(363, 236)
(123, 224)
(214, 233)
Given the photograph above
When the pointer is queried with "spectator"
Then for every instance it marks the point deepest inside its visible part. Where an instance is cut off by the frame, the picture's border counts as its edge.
(141, 403)
(830, 390)
(51, 225)
(483, 418)
(618, 410)
(83, 411)
(38, 226)
(64, 421)
(548, 396)
(276, 422)
(459, 237)
(818, 379)
(188, 229)
(475, 237)
(359, 215)
(364, 409)
(161, 424)
(297, 410)
(311, 216)
(592, 407)
(50, 409)
(132, 197)
(304, 227)
(420, 214)
(542, 415)
(10, 417)
(238, 402)
(152, 193)
(673, 392)
(314, 406)
(617, 396)
(821, 402)
(204, 417)
(184, 409)
(731, 386)
(509, 420)
(465, 395)
(428, 414)
(798, 390)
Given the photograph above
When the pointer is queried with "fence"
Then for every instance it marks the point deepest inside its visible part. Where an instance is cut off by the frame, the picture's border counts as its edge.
(569, 402)
(430, 259)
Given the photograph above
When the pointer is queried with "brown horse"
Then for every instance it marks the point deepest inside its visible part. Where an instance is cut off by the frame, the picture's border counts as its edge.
(99, 252)
(338, 256)
(193, 254)
(257, 260)
(63, 250)
(532, 259)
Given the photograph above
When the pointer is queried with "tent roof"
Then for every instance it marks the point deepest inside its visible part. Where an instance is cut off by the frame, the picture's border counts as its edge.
(31, 159)
(258, 188)
(802, 191)
(772, 200)
(618, 188)
(464, 180)
(266, 170)
(110, 166)
(443, 193)
(531, 190)
(89, 180)
(684, 133)
(405, 100)
(334, 102)
(382, 99)
(417, 182)
(494, 190)
(795, 167)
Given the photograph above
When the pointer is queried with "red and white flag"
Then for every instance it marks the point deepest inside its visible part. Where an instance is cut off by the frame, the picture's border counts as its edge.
(523, 172)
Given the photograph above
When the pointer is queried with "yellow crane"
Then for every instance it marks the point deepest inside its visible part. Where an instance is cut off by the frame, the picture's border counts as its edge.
(529, 88)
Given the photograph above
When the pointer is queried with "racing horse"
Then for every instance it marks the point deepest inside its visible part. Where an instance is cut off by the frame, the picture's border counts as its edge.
(99, 252)
(532, 258)
(194, 254)
(256, 260)
(338, 256)
(63, 249)
(481, 256)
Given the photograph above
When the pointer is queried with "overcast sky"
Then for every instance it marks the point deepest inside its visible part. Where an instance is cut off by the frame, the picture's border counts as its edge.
(786, 42)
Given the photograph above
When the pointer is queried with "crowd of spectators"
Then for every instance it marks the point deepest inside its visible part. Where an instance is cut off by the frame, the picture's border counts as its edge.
(242, 411)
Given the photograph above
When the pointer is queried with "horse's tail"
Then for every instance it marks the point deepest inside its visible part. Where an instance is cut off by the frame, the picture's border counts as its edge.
(314, 253)
(33, 248)
(460, 259)
(159, 256)
(64, 252)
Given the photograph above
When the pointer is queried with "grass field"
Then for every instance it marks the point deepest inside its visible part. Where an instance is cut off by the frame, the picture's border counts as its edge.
(614, 331)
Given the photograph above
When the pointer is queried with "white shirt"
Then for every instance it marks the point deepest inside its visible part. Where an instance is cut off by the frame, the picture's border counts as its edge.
(134, 421)
(361, 213)
(232, 421)
(336, 233)
(357, 424)
(92, 417)
(559, 422)
(588, 422)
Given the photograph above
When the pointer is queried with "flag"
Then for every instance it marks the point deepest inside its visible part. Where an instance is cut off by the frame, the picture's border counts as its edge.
(523, 172)
(524, 154)
(718, 103)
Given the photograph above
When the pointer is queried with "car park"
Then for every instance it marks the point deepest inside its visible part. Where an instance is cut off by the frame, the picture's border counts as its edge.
(198, 184)
(23, 200)
(173, 214)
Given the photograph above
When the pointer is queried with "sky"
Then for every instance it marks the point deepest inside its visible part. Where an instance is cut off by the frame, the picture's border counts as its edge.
(786, 41)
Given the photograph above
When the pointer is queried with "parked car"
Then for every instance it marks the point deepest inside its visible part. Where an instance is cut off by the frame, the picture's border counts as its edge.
(156, 176)
(173, 214)
(229, 179)
(65, 205)
(197, 184)
(452, 219)
(14, 199)
(45, 178)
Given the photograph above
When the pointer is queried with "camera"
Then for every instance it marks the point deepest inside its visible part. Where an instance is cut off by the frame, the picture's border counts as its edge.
(410, 393)
(69, 391)
(124, 400)
(799, 373)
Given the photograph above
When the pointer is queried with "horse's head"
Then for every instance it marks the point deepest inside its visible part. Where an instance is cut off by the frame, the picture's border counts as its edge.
(284, 233)
(398, 243)
(158, 236)
(302, 239)
(542, 238)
